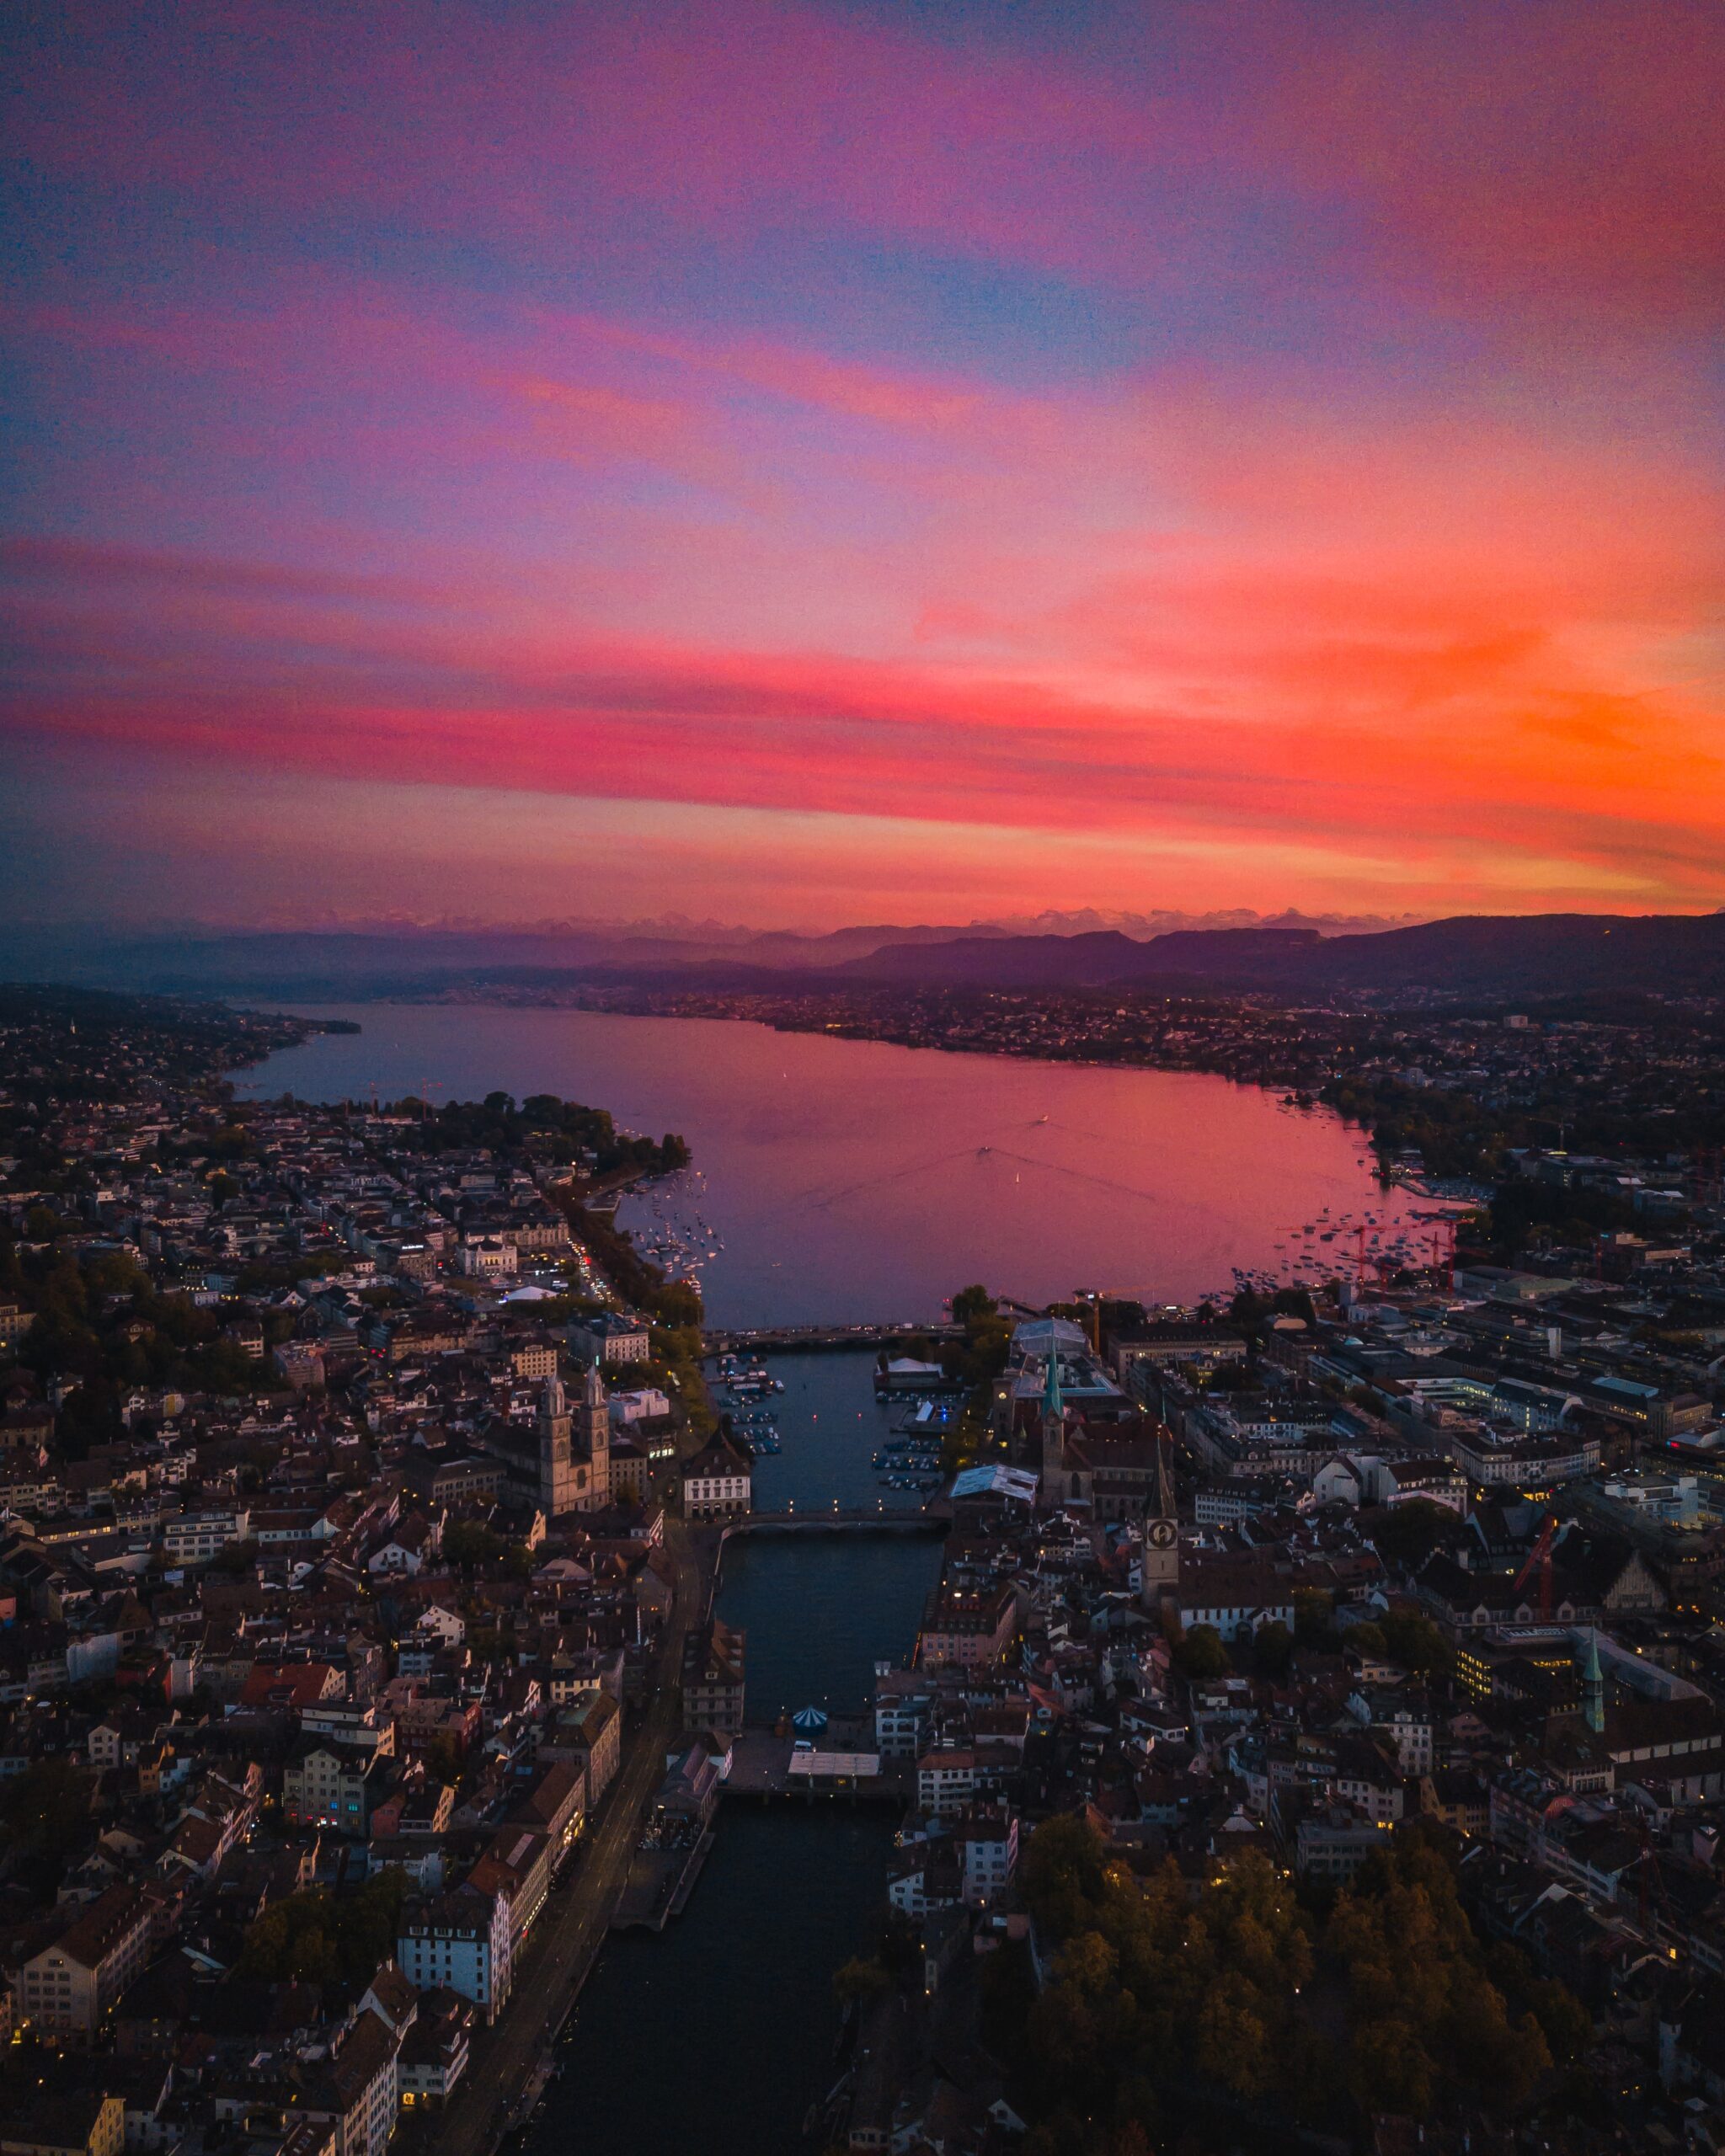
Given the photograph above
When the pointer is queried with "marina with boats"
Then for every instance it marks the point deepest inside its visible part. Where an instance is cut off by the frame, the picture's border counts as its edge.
(909, 1457)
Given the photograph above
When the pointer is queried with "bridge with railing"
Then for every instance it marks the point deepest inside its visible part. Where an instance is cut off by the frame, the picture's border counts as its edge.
(761, 1338)
(841, 1519)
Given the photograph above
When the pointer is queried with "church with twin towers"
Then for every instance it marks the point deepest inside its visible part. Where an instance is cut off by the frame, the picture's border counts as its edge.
(574, 1447)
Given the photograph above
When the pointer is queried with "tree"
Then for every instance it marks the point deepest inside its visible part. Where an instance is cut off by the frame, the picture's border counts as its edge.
(1201, 1656)
(1273, 1648)
(1313, 1615)
(46, 1807)
(1416, 1642)
(1062, 1875)
(1564, 2021)
(443, 1760)
(322, 1937)
(972, 1303)
(1159, 1989)
(468, 1545)
(1389, 2070)
(860, 1981)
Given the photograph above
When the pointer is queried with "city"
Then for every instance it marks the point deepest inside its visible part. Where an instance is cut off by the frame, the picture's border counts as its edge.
(862, 1078)
(361, 1668)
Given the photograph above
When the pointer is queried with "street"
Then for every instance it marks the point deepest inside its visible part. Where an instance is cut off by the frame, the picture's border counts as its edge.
(572, 1927)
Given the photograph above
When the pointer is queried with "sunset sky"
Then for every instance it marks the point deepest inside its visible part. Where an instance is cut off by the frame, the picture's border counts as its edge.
(840, 461)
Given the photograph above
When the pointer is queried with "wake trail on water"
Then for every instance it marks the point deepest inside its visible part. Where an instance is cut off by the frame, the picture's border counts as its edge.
(819, 1200)
(819, 1196)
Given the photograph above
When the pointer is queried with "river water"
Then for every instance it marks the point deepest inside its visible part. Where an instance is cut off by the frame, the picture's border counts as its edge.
(849, 1180)
(844, 1181)
(719, 2033)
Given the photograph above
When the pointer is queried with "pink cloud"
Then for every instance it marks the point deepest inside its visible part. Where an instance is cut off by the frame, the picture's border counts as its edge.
(1316, 627)
(1530, 152)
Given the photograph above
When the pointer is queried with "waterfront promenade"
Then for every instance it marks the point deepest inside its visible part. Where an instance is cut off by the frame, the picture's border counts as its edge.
(566, 1941)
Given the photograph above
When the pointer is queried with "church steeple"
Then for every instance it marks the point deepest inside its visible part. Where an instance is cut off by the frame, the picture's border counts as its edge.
(595, 1435)
(556, 1479)
(1159, 1551)
(1054, 1430)
(1593, 1686)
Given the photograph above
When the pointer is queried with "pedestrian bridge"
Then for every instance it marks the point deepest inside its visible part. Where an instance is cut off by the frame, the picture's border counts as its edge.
(836, 1519)
(827, 1336)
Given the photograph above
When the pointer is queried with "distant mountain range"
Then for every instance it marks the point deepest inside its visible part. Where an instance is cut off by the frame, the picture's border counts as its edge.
(368, 960)
(1525, 955)
(1518, 956)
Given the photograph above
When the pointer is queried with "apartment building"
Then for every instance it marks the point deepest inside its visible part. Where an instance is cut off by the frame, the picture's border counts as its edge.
(460, 1940)
(68, 1987)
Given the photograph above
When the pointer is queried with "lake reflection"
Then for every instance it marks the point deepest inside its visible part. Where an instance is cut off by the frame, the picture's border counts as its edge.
(847, 1180)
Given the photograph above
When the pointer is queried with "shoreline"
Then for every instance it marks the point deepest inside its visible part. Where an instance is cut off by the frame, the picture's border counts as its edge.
(987, 1052)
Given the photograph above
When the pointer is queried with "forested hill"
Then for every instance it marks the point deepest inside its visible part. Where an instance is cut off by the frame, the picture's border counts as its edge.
(1531, 956)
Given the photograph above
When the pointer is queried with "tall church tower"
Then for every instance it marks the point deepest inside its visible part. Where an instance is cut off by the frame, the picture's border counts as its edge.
(1159, 1556)
(595, 1438)
(1053, 1430)
(556, 1469)
(1593, 1686)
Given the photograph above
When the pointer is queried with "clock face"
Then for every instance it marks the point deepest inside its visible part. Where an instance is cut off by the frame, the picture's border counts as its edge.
(1162, 1534)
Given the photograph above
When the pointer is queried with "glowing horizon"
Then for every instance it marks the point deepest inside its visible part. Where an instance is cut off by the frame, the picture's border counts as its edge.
(799, 463)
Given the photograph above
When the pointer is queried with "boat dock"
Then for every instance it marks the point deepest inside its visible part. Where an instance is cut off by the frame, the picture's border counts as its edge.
(767, 1767)
(659, 1885)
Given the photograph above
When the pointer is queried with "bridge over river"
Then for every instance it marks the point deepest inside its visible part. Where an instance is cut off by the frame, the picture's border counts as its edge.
(814, 1337)
(837, 1519)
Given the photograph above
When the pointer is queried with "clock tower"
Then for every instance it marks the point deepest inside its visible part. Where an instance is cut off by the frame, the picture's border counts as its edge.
(595, 1438)
(1053, 1430)
(1159, 1556)
(557, 1471)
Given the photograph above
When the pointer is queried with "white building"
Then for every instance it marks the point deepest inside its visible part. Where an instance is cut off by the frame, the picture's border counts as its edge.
(989, 1840)
(610, 1336)
(461, 1940)
(717, 1482)
(193, 1538)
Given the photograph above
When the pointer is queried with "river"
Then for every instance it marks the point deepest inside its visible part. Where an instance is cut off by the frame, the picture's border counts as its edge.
(720, 2032)
(844, 1181)
(850, 1180)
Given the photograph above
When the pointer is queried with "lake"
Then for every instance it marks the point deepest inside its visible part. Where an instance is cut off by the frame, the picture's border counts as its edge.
(839, 1180)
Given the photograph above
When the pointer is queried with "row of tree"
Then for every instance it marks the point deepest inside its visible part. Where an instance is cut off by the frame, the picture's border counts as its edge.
(321, 1937)
(99, 1320)
(543, 1126)
(1168, 2005)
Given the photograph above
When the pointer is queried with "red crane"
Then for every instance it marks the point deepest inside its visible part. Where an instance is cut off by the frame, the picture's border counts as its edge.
(1541, 1556)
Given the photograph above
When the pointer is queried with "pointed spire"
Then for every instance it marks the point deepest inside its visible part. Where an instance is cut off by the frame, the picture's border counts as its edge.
(593, 1392)
(1164, 1481)
(551, 1401)
(1593, 1686)
(1053, 1406)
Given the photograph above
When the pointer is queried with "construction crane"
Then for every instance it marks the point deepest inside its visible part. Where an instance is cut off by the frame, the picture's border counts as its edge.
(1539, 1557)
